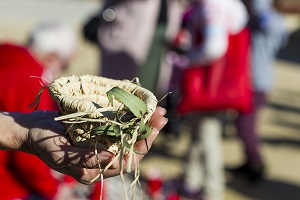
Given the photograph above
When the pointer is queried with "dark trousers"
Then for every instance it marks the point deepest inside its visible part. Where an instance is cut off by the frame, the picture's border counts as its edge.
(246, 125)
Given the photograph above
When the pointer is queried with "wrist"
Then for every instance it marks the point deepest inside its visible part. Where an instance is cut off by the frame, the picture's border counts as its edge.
(14, 136)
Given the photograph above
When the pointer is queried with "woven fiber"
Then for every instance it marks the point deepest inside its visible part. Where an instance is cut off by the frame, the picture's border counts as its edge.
(84, 99)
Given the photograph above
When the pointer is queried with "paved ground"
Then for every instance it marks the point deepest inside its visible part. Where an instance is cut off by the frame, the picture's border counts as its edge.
(280, 131)
(279, 124)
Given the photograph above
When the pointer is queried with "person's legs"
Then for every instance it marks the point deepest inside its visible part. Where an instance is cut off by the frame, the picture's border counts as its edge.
(212, 147)
(204, 168)
(247, 131)
(193, 180)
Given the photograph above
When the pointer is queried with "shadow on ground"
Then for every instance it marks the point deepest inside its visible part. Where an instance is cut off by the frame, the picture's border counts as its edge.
(290, 51)
(280, 141)
(286, 121)
(265, 189)
(282, 107)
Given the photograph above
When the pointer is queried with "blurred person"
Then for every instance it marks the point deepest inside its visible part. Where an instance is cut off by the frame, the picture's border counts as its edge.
(24, 69)
(128, 33)
(46, 54)
(123, 31)
(152, 72)
(131, 36)
(207, 25)
(268, 35)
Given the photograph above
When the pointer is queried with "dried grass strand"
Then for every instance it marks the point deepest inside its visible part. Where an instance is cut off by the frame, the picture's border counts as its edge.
(84, 106)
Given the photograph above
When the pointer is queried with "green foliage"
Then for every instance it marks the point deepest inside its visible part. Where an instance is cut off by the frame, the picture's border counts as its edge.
(135, 104)
(137, 110)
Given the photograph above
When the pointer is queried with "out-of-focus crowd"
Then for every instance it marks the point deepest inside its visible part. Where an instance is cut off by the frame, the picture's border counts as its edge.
(203, 58)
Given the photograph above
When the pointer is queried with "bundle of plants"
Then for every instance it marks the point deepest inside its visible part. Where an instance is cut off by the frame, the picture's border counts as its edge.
(104, 113)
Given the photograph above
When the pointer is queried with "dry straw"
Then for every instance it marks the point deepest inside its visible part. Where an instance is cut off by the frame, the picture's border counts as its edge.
(104, 113)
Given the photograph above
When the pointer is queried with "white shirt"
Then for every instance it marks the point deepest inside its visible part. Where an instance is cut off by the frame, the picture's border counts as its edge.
(215, 20)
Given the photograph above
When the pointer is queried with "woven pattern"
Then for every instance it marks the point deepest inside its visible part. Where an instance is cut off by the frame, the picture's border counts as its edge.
(86, 95)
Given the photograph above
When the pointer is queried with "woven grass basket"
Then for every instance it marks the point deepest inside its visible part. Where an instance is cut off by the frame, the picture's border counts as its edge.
(84, 105)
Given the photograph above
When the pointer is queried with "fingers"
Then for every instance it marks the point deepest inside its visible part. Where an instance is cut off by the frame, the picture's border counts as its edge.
(87, 158)
(83, 175)
(157, 120)
(90, 176)
(89, 162)
(143, 147)
(107, 157)
(83, 164)
(159, 111)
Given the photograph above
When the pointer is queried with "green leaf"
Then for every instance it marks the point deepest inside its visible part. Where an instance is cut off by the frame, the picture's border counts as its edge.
(110, 98)
(144, 130)
(111, 130)
(145, 134)
(135, 104)
(142, 126)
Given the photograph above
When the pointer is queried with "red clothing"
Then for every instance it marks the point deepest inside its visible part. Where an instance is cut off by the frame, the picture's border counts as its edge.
(18, 88)
(22, 174)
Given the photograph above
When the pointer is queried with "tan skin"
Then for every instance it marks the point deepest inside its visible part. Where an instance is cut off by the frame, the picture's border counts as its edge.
(37, 133)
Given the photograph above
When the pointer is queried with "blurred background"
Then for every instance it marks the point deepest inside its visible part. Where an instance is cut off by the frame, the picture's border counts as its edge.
(19, 17)
(279, 123)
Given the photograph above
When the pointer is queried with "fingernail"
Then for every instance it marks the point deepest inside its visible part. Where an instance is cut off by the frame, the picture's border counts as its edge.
(166, 121)
(164, 112)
